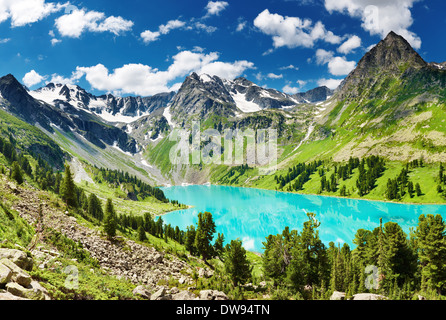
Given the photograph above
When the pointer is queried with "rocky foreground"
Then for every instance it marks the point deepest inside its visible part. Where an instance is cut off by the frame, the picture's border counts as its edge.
(144, 266)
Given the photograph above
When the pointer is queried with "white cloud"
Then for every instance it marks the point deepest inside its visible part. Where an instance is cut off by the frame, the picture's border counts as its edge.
(289, 67)
(5, 40)
(55, 41)
(23, 12)
(379, 17)
(241, 25)
(337, 66)
(323, 56)
(289, 89)
(351, 44)
(329, 83)
(79, 21)
(275, 76)
(215, 7)
(204, 27)
(32, 78)
(144, 80)
(293, 32)
(171, 25)
(149, 36)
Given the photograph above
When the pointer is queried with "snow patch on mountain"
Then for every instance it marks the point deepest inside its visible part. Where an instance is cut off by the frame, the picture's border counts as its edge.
(243, 104)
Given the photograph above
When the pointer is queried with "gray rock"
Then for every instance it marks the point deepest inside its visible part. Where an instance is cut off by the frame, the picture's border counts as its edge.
(368, 296)
(141, 291)
(9, 296)
(19, 291)
(212, 295)
(159, 294)
(338, 295)
(5, 274)
(18, 257)
(184, 295)
(18, 275)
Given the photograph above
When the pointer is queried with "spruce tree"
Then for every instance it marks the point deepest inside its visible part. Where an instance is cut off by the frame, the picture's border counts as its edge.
(237, 265)
(16, 172)
(204, 235)
(68, 188)
(141, 234)
(110, 221)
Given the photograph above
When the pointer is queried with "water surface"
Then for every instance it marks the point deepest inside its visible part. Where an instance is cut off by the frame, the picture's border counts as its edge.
(253, 214)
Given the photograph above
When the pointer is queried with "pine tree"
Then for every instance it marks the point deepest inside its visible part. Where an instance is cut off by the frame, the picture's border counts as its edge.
(95, 207)
(237, 265)
(68, 188)
(204, 235)
(16, 172)
(418, 189)
(141, 233)
(110, 221)
(219, 245)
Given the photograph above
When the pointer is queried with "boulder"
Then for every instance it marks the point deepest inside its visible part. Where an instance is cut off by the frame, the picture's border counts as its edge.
(368, 296)
(19, 291)
(9, 296)
(18, 275)
(18, 257)
(338, 295)
(184, 295)
(141, 291)
(212, 295)
(160, 295)
(5, 274)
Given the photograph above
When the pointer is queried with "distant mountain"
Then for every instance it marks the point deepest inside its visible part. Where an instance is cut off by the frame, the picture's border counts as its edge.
(108, 107)
(316, 95)
(62, 115)
(202, 96)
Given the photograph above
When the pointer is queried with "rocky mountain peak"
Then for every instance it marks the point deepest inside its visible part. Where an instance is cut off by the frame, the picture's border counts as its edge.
(392, 56)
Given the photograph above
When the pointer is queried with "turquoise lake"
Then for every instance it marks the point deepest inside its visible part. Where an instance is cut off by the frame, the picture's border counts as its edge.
(253, 214)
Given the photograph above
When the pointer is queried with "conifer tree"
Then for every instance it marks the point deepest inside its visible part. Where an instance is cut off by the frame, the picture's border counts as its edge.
(16, 172)
(110, 220)
(237, 265)
(204, 235)
(68, 188)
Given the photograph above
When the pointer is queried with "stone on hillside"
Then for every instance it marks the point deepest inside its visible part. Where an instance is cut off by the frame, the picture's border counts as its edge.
(212, 295)
(9, 296)
(184, 295)
(19, 291)
(5, 274)
(18, 257)
(368, 296)
(18, 275)
(338, 295)
(141, 291)
(159, 294)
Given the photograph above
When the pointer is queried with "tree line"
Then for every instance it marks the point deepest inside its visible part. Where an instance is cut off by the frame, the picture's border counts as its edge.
(386, 260)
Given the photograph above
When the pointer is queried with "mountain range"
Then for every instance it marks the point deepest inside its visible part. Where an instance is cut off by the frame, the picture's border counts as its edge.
(390, 102)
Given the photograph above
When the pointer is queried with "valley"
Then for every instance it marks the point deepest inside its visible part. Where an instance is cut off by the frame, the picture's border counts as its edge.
(88, 177)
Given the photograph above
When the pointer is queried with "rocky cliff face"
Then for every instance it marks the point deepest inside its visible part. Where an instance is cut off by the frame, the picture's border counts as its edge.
(391, 57)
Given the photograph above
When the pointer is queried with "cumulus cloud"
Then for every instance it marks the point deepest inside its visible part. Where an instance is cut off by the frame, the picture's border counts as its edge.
(24, 12)
(380, 17)
(79, 21)
(351, 44)
(288, 89)
(293, 32)
(32, 78)
(337, 66)
(214, 8)
(329, 83)
(144, 80)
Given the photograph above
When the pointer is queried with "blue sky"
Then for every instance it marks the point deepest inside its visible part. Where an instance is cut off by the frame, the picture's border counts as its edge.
(137, 47)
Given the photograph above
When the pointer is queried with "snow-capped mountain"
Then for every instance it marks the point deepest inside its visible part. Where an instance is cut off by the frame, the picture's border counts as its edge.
(108, 107)
(201, 95)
